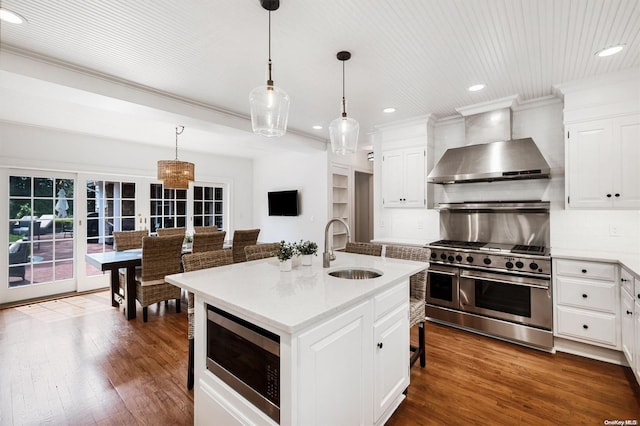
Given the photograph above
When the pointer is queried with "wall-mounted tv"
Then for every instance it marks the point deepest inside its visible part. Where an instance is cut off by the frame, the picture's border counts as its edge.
(283, 203)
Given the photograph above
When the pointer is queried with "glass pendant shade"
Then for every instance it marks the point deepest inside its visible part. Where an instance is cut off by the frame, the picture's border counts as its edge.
(343, 132)
(175, 174)
(269, 110)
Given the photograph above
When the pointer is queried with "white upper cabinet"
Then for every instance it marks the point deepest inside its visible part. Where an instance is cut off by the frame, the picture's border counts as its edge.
(602, 163)
(403, 177)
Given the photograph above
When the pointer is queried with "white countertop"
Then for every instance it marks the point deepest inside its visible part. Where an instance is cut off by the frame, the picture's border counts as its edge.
(629, 260)
(290, 301)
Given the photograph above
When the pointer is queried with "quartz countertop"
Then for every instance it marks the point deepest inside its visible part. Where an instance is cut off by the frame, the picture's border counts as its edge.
(291, 301)
(629, 260)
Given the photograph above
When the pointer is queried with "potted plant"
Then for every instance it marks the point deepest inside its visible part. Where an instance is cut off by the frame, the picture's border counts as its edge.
(285, 252)
(307, 249)
(188, 241)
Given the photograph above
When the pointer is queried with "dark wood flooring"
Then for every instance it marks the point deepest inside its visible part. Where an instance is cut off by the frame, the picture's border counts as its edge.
(77, 361)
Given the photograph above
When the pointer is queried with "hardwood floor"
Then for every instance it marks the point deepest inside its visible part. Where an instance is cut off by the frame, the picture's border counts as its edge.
(78, 361)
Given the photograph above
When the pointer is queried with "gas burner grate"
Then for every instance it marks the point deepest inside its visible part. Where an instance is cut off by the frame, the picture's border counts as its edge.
(521, 248)
(458, 244)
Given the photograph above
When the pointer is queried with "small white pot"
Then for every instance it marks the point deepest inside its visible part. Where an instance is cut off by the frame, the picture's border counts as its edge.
(307, 259)
(286, 265)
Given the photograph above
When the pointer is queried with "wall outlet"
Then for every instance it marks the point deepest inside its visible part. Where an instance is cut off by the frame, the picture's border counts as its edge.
(420, 224)
(381, 223)
(614, 231)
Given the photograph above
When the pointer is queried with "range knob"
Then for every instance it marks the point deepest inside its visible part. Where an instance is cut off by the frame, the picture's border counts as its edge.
(459, 258)
(509, 265)
(469, 259)
(433, 255)
(450, 258)
(487, 261)
(533, 265)
(443, 256)
(519, 264)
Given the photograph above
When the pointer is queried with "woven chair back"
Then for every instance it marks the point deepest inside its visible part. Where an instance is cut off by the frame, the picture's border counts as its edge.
(204, 229)
(364, 248)
(127, 240)
(161, 256)
(417, 282)
(208, 241)
(208, 259)
(241, 239)
(261, 251)
(166, 232)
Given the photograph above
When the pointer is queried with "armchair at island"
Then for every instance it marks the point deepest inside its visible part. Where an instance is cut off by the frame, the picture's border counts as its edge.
(18, 255)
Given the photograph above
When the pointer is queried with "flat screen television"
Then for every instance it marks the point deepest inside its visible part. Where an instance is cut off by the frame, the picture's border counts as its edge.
(283, 203)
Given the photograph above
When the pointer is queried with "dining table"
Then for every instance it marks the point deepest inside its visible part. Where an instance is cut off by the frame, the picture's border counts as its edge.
(112, 261)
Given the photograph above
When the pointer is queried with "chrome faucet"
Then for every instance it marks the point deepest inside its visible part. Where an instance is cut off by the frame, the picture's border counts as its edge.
(328, 256)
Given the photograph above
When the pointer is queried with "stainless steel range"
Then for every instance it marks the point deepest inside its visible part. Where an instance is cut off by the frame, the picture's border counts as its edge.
(500, 286)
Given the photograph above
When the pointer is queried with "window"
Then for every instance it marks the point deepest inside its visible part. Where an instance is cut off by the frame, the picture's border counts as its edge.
(168, 207)
(208, 206)
(41, 245)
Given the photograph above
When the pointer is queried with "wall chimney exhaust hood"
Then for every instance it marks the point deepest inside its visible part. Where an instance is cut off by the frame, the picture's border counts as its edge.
(490, 154)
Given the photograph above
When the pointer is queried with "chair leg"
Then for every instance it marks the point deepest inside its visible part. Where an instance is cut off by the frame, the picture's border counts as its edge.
(178, 306)
(145, 314)
(190, 367)
(421, 346)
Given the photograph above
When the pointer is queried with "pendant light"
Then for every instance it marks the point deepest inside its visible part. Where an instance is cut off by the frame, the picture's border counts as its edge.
(343, 131)
(176, 174)
(269, 104)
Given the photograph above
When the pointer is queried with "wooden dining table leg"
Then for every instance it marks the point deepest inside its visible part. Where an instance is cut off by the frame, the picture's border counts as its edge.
(130, 289)
(115, 287)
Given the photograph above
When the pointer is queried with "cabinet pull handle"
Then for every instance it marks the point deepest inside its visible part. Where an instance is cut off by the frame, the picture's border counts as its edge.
(379, 345)
(584, 271)
(629, 313)
(623, 280)
(584, 296)
(608, 195)
(585, 326)
(617, 195)
(638, 295)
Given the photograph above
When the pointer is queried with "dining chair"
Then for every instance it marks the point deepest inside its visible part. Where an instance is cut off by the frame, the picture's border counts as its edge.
(417, 295)
(261, 251)
(203, 229)
(241, 239)
(161, 256)
(364, 248)
(128, 240)
(208, 241)
(165, 232)
(194, 262)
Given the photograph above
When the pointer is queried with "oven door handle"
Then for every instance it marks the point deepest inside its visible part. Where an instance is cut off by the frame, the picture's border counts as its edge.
(494, 280)
(435, 271)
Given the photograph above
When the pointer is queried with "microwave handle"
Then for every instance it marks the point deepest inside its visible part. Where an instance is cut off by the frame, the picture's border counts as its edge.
(474, 277)
(250, 335)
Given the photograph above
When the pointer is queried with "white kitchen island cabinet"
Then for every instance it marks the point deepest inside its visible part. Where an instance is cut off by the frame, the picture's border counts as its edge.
(343, 343)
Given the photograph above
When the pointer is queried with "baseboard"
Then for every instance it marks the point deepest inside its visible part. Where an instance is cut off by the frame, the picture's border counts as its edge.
(590, 351)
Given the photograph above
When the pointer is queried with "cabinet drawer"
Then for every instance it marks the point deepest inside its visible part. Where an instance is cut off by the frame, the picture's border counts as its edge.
(626, 279)
(592, 327)
(387, 301)
(600, 295)
(593, 270)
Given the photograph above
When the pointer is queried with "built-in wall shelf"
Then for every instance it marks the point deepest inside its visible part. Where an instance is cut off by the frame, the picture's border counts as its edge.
(341, 205)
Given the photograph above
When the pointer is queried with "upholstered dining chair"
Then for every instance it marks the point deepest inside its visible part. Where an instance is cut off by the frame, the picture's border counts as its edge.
(417, 295)
(364, 248)
(208, 241)
(160, 256)
(261, 251)
(127, 240)
(193, 262)
(241, 239)
(203, 229)
(165, 232)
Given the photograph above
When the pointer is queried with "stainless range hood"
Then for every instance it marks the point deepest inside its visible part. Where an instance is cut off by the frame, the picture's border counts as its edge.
(501, 158)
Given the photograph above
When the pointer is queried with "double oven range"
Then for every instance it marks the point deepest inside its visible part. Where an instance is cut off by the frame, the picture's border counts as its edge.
(503, 288)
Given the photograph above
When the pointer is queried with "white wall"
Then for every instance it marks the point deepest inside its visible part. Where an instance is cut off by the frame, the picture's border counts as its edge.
(308, 174)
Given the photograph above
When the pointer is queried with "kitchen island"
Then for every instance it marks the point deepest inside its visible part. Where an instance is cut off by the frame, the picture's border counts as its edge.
(343, 344)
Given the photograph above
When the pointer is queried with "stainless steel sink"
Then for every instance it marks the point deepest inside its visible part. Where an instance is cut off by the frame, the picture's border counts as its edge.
(355, 274)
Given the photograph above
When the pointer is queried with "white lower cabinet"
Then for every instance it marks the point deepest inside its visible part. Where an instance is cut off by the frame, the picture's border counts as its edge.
(627, 325)
(630, 313)
(587, 302)
(636, 364)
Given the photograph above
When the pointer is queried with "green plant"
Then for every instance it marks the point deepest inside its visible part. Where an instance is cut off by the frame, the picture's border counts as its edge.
(188, 239)
(307, 247)
(286, 251)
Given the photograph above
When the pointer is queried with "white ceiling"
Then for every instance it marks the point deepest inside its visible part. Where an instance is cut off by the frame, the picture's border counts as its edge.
(418, 56)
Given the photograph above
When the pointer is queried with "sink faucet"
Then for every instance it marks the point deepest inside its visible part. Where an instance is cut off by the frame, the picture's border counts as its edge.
(327, 255)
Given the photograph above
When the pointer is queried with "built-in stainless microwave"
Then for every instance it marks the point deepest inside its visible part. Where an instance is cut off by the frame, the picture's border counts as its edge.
(246, 357)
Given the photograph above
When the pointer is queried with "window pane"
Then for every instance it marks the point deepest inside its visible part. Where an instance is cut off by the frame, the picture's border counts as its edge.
(64, 249)
(197, 193)
(156, 190)
(208, 193)
(43, 187)
(219, 194)
(128, 190)
(19, 186)
(181, 194)
(64, 270)
(128, 224)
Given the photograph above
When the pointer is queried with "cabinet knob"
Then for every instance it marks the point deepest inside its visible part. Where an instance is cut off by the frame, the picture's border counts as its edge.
(608, 195)
(584, 271)
(379, 345)
(585, 326)
(617, 195)
(638, 295)
(584, 296)
(623, 280)
(629, 313)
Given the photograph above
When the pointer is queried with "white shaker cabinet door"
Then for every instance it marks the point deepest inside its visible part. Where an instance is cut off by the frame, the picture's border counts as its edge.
(626, 130)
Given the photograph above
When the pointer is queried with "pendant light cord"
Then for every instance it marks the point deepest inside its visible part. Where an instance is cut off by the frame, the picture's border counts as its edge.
(344, 102)
(178, 132)
(269, 81)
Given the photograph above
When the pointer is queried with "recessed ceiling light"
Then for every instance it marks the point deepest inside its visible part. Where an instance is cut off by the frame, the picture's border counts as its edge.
(389, 110)
(610, 50)
(317, 127)
(476, 87)
(11, 17)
